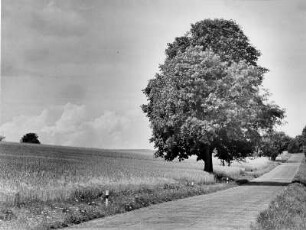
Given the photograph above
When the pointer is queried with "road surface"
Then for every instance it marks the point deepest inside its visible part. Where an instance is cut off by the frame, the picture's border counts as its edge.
(234, 208)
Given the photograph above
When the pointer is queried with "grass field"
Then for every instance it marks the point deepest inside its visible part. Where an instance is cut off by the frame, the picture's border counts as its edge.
(287, 210)
(49, 173)
(49, 186)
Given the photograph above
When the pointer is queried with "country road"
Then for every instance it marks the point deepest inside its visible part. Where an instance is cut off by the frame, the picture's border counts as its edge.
(234, 208)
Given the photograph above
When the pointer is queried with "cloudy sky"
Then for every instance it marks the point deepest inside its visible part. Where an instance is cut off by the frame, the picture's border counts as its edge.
(73, 70)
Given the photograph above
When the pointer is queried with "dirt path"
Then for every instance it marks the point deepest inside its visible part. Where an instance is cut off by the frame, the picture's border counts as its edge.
(234, 208)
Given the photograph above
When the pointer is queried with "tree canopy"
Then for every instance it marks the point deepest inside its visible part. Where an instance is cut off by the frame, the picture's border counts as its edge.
(304, 136)
(296, 144)
(274, 143)
(208, 96)
(223, 37)
(30, 138)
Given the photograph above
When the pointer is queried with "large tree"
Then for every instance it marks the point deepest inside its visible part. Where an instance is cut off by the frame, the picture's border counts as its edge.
(204, 98)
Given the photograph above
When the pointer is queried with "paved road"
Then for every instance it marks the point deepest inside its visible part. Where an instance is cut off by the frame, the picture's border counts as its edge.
(234, 208)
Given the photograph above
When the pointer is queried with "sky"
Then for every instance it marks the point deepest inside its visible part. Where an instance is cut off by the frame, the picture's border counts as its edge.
(73, 71)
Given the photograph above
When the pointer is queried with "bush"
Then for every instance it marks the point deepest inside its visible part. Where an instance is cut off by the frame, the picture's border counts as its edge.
(30, 138)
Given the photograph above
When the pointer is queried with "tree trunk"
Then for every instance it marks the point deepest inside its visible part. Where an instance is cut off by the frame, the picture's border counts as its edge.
(208, 164)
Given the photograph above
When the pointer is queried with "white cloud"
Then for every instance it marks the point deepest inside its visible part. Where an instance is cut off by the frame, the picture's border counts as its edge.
(75, 126)
(20, 125)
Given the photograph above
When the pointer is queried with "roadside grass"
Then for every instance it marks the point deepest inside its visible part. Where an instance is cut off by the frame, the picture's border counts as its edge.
(249, 168)
(59, 214)
(288, 209)
(300, 177)
(44, 187)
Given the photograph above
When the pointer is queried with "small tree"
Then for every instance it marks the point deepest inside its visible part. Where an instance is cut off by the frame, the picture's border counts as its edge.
(296, 145)
(304, 139)
(2, 138)
(30, 138)
(274, 143)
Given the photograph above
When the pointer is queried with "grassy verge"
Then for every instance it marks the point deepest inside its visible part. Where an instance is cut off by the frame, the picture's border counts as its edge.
(86, 205)
(242, 172)
(288, 210)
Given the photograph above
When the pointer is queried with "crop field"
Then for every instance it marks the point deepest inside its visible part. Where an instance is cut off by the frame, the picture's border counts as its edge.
(51, 172)
(36, 177)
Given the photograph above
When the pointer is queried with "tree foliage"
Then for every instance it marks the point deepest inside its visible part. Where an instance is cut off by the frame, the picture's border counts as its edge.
(208, 96)
(274, 143)
(304, 139)
(224, 37)
(30, 138)
(296, 145)
(304, 135)
(2, 138)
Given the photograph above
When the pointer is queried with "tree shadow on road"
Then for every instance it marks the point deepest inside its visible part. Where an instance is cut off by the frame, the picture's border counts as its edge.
(268, 183)
(245, 182)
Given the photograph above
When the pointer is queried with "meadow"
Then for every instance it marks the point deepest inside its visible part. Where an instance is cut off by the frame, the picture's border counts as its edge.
(42, 181)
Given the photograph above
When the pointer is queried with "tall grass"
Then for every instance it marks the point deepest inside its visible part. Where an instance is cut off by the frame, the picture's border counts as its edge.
(288, 209)
(51, 173)
(46, 173)
(249, 168)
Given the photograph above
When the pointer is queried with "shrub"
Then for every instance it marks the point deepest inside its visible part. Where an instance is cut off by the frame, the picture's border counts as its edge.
(30, 138)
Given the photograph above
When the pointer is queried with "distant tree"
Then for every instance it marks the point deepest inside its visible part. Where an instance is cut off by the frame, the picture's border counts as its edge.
(304, 136)
(229, 150)
(296, 145)
(274, 143)
(30, 138)
(304, 140)
(2, 138)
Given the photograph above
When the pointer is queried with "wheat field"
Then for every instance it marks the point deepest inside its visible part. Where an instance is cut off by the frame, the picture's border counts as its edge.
(45, 173)
(43, 185)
